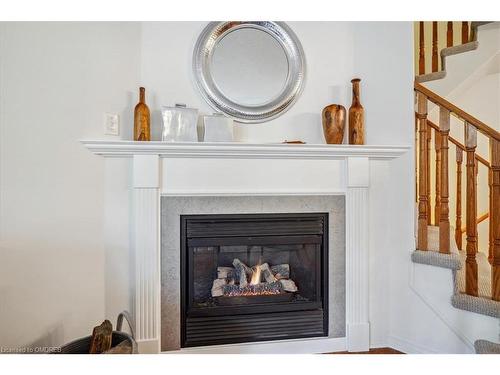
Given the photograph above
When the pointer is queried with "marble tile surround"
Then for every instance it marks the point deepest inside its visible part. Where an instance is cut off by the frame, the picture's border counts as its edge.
(174, 206)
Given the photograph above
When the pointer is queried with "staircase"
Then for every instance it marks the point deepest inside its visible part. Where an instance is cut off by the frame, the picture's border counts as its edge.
(476, 275)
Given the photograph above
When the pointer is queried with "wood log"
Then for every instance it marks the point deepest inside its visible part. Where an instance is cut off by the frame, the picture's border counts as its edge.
(281, 271)
(218, 287)
(125, 347)
(101, 338)
(288, 285)
(267, 273)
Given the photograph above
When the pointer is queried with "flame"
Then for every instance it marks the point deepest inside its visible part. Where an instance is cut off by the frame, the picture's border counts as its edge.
(256, 275)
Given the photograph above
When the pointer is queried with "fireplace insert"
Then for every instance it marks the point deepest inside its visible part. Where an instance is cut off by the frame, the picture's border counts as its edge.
(253, 277)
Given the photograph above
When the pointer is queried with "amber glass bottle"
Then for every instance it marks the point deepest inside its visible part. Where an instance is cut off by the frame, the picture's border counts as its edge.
(142, 128)
(356, 117)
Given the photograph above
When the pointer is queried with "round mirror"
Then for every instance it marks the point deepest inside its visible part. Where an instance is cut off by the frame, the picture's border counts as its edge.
(249, 67)
(251, 71)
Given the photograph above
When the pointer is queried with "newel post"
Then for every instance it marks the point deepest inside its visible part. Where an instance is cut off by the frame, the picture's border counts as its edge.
(444, 210)
(357, 252)
(423, 198)
(495, 218)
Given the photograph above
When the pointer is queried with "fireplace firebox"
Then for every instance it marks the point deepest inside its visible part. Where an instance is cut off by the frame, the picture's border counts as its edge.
(253, 277)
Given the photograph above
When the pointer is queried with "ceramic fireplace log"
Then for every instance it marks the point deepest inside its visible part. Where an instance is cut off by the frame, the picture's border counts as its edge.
(237, 263)
(225, 273)
(288, 285)
(267, 273)
(218, 287)
(281, 271)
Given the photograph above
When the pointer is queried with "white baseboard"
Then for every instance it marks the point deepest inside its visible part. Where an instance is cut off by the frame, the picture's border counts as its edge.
(408, 347)
(358, 337)
(148, 346)
(299, 346)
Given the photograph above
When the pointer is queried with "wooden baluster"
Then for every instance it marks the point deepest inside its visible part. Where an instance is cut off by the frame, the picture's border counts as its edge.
(434, 46)
(471, 211)
(428, 173)
(416, 158)
(495, 218)
(422, 175)
(490, 221)
(421, 52)
(458, 221)
(449, 34)
(465, 32)
(444, 210)
(437, 201)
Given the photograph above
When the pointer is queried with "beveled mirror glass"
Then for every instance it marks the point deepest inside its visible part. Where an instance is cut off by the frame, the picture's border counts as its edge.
(251, 71)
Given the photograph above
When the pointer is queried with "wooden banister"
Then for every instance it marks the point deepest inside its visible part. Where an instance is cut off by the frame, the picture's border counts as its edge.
(471, 287)
(442, 138)
(479, 220)
(459, 145)
(440, 101)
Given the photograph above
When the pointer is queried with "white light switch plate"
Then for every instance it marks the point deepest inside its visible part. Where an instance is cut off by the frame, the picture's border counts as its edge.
(111, 124)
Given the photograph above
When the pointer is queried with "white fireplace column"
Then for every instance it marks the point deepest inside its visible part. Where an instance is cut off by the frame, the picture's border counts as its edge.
(357, 266)
(146, 243)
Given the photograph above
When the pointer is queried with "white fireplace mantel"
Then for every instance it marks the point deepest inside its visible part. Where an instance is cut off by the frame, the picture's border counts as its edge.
(247, 169)
(241, 150)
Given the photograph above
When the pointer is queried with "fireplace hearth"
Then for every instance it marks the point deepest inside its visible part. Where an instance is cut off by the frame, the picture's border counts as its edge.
(253, 277)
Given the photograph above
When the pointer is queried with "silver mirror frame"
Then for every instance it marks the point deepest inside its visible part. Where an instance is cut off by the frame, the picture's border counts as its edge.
(202, 57)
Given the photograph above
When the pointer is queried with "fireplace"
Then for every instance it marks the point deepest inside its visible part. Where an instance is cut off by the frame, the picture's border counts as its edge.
(253, 277)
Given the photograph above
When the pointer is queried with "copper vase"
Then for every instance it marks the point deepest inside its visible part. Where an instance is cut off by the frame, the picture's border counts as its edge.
(356, 117)
(333, 117)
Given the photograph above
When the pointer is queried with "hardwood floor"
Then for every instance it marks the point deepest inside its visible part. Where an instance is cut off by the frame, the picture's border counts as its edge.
(374, 351)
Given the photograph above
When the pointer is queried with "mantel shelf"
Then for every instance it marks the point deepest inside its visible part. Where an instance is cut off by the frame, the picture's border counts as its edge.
(241, 150)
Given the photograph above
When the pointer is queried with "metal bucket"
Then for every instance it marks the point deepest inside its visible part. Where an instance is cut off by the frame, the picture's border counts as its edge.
(82, 346)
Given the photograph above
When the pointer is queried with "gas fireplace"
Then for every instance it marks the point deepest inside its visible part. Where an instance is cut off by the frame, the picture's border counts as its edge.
(253, 277)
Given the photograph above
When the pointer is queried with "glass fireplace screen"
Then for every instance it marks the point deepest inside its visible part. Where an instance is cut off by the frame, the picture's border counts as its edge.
(252, 260)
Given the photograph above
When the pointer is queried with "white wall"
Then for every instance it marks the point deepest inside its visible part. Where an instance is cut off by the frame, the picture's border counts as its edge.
(56, 80)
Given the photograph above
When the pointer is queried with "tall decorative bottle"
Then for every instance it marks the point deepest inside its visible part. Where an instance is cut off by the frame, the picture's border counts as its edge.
(356, 117)
(142, 128)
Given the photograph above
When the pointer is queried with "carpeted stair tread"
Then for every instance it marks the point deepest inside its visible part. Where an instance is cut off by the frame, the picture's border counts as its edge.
(450, 51)
(483, 304)
(486, 347)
